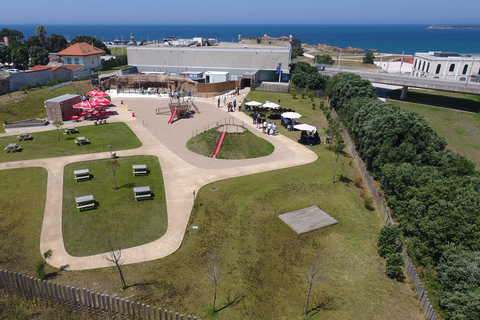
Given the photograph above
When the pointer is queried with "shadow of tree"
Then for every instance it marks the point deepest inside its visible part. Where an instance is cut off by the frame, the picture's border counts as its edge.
(326, 302)
(231, 302)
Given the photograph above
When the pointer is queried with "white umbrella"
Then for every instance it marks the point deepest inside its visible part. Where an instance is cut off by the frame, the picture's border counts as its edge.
(271, 105)
(253, 103)
(291, 115)
(305, 127)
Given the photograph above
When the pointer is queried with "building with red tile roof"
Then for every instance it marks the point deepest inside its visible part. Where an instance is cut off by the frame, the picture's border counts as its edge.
(83, 54)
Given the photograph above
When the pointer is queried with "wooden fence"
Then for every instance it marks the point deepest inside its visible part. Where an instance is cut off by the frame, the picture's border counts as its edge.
(410, 269)
(82, 300)
(217, 87)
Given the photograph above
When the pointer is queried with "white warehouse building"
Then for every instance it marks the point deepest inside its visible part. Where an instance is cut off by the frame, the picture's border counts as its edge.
(227, 61)
(446, 66)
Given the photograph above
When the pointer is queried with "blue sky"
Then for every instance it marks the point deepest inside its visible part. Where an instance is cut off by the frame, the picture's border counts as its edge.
(242, 12)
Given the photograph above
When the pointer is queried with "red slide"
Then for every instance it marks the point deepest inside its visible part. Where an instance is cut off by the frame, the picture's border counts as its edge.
(173, 116)
(214, 155)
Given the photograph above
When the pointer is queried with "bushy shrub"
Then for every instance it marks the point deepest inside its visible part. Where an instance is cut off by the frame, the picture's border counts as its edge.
(51, 82)
(293, 92)
(38, 84)
(28, 86)
(387, 241)
(393, 268)
(368, 203)
(40, 269)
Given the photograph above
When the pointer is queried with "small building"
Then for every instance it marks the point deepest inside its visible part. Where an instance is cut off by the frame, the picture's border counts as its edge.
(446, 65)
(85, 54)
(216, 76)
(61, 72)
(61, 108)
(267, 40)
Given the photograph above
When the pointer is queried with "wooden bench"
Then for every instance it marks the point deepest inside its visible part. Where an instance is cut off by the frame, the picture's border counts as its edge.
(139, 169)
(17, 148)
(76, 141)
(82, 177)
(6, 148)
(147, 195)
(88, 205)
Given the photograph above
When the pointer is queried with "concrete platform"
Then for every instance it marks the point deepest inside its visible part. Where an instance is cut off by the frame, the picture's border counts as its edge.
(307, 219)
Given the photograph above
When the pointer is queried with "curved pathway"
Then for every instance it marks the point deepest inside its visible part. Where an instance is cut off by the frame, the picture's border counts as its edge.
(183, 172)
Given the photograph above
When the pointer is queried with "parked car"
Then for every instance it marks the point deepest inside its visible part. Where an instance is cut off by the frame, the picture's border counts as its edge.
(321, 68)
(12, 71)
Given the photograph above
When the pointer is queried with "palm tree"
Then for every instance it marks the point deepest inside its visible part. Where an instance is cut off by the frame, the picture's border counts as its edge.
(40, 31)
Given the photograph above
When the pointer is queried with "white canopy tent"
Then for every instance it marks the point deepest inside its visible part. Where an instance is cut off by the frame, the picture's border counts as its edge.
(271, 105)
(253, 103)
(305, 127)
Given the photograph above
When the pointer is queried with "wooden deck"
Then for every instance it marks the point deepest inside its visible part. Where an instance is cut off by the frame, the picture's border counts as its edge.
(307, 219)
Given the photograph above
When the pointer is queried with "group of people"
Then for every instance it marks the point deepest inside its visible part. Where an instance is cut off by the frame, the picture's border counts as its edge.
(310, 137)
(231, 106)
(262, 124)
(288, 123)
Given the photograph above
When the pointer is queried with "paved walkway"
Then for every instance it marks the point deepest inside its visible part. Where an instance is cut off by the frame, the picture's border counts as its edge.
(183, 172)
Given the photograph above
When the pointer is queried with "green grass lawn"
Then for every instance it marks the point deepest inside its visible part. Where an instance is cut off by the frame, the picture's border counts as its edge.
(118, 216)
(453, 116)
(244, 145)
(46, 145)
(22, 204)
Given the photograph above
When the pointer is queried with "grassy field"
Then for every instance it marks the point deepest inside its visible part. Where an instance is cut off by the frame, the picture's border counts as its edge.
(118, 216)
(22, 204)
(16, 106)
(244, 145)
(264, 262)
(46, 145)
(453, 116)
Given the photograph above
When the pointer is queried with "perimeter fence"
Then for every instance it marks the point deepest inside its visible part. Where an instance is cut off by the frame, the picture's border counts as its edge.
(422, 294)
(82, 300)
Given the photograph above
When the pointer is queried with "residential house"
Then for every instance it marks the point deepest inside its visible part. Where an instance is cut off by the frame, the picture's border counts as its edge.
(84, 55)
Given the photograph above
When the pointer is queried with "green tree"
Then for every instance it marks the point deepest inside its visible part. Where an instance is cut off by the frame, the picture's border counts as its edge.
(91, 40)
(56, 43)
(343, 87)
(58, 124)
(368, 58)
(40, 31)
(5, 54)
(339, 149)
(113, 165)
(325, 59)
(20, 57)
(387, 241)
(393, 267)
(11, 34)
(33, 41)
(38, 56)
(458, 273)
(297, 52)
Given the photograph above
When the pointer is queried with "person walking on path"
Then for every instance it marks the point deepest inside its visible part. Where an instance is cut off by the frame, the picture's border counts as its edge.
(259, 120)
(218, 105)
(264, 129)
(254, 116)
(234, 105)
(269, 127)
(274, 129)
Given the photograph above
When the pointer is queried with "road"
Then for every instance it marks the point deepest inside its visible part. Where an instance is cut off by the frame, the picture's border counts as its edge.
(409, 81)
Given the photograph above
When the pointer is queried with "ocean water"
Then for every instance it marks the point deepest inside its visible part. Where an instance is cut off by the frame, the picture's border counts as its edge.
(383, 38)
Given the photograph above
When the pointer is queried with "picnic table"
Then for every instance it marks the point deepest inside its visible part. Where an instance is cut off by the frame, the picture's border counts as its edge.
(142, 192)
(11, 146)
(81, 174)
(85, 202)
(139, 169)
(23, 136)
(82, 140)
(72, 130)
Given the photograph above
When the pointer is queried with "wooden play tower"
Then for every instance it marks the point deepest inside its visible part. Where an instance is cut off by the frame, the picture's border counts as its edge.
(183, 105)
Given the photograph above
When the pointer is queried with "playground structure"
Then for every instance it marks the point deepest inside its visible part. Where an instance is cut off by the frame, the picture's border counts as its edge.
(181, 107)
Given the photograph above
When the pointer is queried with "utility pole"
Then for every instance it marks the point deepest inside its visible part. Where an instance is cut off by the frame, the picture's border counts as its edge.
(340, 58)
